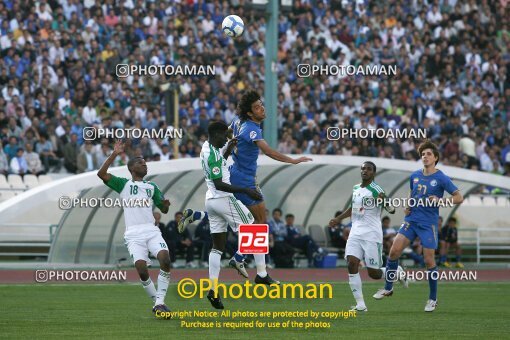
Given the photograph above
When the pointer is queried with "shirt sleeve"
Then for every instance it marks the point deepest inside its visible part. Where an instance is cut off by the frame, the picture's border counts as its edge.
(448, 185)
(158, 197)
(214, 163)
(116, 183)
(254, 134)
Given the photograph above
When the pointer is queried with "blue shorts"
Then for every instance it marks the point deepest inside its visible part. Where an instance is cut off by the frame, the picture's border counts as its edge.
(426, 232)
(243, 180)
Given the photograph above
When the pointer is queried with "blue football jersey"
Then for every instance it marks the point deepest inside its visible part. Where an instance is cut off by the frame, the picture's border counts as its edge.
(235, 125)
(247, 153)
(425, 186)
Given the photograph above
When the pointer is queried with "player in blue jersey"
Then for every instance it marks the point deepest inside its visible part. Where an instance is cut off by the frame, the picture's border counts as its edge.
(251, 113)
(427, 188)
(246, 129)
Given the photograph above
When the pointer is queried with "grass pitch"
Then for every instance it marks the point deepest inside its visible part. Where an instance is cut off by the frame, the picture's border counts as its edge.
(111, 311)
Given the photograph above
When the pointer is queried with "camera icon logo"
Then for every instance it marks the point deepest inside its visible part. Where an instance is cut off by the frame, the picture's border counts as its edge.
(368, 202)
(122, 70)
(41, 276)
(65, 203)
(333, 133)
(89, 133)
(304, 70)
(391, 275)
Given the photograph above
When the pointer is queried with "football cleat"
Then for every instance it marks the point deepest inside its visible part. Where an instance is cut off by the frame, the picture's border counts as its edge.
(381, 293)
(215, 301)
(447, 264)
(187, 218)
(266, 280)
(161, 308)
(239, 266)
(459, 265)
(430, 306)
(359, 308)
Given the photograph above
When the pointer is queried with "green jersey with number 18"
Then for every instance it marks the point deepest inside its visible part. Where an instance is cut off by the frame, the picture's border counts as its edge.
(215, 166)
(366, 215)
(137, 192)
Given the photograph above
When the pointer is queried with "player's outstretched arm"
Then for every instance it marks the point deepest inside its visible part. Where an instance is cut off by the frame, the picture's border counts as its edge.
(222, 186)
(457, 198)
(268, 151)
(117, 150)
(336, 221)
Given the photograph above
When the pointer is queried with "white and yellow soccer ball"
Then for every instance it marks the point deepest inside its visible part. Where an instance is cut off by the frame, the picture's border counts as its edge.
(233, 26)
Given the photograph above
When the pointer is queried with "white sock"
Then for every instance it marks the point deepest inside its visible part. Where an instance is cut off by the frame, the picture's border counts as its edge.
(355, 283)
(383, 269)
(149, 288)
(163, 281)
(214, 265)
(260, 262)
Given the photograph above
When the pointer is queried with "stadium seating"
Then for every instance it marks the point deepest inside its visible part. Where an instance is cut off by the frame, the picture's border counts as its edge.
(3, 183)
(31, 181)
(43, 179)
(318, 234)
(16, 182)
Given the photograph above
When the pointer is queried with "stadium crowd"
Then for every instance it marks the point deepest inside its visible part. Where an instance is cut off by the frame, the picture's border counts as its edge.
(59, 57)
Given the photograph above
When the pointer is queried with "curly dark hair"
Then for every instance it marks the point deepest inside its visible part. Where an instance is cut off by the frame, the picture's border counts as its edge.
(429, 145)
(244, 105)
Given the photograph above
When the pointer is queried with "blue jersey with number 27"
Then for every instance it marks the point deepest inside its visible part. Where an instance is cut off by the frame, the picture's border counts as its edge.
(425, 186)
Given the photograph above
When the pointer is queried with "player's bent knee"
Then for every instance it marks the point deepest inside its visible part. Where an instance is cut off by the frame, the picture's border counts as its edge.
(259, 212)
(430, 261)
(374, 273)
(141, 268)
(352, 264)
(164, 260)
(141, 265)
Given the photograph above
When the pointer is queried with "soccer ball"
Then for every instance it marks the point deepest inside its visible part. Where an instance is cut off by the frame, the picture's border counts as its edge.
(233, 26)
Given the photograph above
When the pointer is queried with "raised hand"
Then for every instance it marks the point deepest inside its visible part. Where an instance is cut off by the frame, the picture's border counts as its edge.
(118, 148)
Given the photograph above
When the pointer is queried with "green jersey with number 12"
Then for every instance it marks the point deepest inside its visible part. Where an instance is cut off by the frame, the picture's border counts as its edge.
(366, 216)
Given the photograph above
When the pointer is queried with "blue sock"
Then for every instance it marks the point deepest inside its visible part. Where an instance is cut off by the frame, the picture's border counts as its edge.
(390, 266)
(433, 276)
(458, 258)
(239, 257)
(199, 215)
(443, 259)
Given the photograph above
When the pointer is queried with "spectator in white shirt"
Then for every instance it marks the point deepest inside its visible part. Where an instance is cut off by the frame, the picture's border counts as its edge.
(65, 102)
(33, 160)
(434, 16)
(89, 114)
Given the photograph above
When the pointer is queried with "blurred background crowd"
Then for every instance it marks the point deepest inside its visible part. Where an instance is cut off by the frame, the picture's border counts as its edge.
(57, 76)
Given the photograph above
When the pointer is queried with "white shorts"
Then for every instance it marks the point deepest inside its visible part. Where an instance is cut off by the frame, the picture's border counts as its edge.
(227, 211)
(368, 251)
(140, 240)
